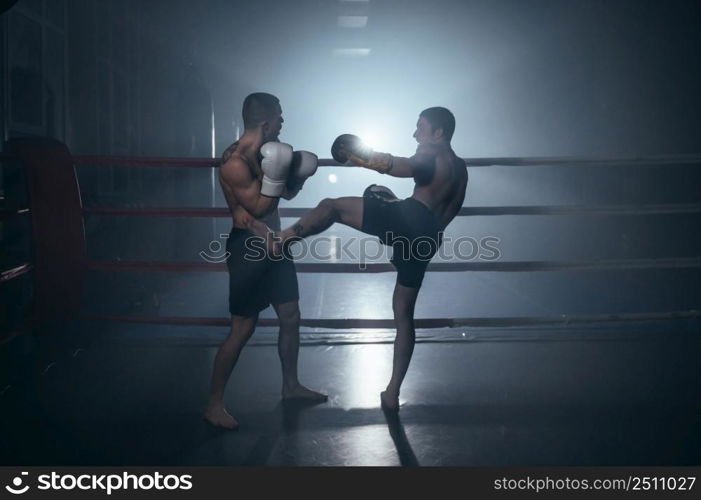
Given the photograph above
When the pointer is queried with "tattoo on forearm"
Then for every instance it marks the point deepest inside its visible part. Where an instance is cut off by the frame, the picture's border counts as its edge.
(297, 229)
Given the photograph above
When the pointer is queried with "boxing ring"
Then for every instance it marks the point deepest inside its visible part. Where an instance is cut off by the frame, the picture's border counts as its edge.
(578, 402)
(60, 271)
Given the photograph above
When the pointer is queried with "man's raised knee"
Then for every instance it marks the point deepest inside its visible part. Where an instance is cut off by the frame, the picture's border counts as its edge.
(329, 204)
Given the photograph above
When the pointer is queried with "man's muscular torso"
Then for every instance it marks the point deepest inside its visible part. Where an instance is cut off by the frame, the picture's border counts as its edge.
(441, 180)
(241, 217)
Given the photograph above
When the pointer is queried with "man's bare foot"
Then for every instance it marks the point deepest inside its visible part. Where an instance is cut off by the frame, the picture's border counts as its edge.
(301, 392)
(389, 402)
(219, 417)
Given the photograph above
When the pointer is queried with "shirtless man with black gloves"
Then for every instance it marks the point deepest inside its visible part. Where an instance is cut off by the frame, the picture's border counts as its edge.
(412, 227)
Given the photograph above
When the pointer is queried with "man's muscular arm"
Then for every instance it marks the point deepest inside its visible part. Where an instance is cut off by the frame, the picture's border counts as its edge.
(401, 167)
(244, 220)
(406, 167)
(350, 148)
(237, 176)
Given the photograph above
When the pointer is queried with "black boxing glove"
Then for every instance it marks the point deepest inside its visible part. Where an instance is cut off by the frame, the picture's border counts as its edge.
(349, 147)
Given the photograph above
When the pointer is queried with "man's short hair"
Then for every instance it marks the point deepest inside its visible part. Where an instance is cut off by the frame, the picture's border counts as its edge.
(257, 108)
(440, 118)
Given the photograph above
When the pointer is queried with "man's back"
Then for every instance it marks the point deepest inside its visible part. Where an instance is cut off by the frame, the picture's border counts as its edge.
(443, 190)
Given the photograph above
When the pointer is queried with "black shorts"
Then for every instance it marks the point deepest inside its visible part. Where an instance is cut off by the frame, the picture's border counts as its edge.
(255, 280)
(408, 226)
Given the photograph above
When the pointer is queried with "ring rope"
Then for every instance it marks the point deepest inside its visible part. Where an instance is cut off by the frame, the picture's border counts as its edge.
(351, 268)
(420, 323)
(563, 161)
(682, 208)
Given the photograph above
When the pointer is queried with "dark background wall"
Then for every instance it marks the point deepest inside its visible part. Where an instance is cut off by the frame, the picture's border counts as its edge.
(533, 78)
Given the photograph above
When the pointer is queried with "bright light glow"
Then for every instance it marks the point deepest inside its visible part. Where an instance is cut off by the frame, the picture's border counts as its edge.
(351, 52)
(352, 21)
(373, 138)
(333, 179)
(371, 367)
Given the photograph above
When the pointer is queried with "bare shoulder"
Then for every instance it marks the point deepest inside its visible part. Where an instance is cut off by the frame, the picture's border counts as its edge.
(228, 152)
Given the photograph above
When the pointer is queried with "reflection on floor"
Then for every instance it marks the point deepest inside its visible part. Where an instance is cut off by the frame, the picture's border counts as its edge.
(514, 400)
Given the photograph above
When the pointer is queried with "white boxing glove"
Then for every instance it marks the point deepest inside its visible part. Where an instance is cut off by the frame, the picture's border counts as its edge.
(304, 165)
(277, 159)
